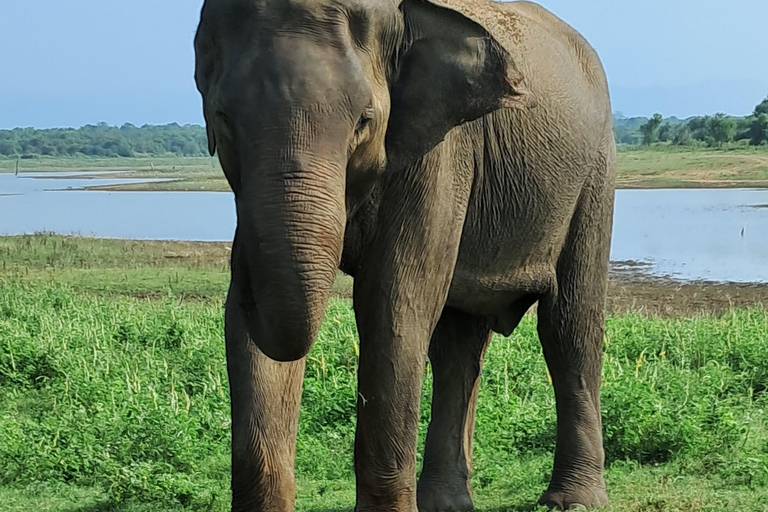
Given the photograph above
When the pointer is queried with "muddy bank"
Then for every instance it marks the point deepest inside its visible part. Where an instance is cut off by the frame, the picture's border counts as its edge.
(688, 299)
(630, 289)
(637, 292)
(200, 270)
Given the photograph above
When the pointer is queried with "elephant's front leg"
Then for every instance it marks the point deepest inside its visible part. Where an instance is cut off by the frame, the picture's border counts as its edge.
(265, 397)
(400, 290)
(391, 369)
(393, 345)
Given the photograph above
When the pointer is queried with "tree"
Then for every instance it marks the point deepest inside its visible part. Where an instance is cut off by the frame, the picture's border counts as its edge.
(104, 140)
(650, 130)
(682, 135)
(758, 124)
(762, 108)
(8, 147)
(698, 127)
(627, 130)
(758, 132)
(721, 128)
(665, 132)
(714, 130)
(743, 127)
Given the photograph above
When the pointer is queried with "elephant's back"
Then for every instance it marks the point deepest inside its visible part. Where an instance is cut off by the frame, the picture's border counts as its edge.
(570, 125)
(560, 67)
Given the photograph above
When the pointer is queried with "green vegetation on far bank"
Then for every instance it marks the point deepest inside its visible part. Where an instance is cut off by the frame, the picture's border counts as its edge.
(656, 166)
(703, 151)
(113, 394)
(708, 131)
(664, 166)
(103, 140)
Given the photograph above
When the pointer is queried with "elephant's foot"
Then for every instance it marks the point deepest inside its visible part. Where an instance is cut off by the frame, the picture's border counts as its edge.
(437, 497)
(576, 498)
(404, 502)
(272, 504)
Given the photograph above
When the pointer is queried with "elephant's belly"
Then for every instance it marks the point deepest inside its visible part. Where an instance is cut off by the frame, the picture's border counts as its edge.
(499, 294)
(514, 231)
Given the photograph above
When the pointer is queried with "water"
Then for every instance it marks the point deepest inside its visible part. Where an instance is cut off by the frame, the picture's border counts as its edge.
(36, 182)
(56, 202)
(710, 234)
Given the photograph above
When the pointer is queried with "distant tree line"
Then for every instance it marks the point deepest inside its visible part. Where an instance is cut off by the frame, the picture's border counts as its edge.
(712, 131)
(190, 140)
(105, 141)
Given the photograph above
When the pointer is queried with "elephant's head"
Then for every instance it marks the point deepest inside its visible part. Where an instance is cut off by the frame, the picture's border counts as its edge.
(307, 102)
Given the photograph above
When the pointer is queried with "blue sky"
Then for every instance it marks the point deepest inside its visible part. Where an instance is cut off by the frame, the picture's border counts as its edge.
(84, 61)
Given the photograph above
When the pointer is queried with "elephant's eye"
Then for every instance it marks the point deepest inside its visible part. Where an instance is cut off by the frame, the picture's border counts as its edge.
(365, 119)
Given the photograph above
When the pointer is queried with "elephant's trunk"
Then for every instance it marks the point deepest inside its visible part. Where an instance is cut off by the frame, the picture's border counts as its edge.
(291, 220)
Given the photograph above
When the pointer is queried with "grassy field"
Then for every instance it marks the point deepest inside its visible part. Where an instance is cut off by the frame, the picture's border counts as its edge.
(676, 167)
(655, 167)
(185, 270)
(113, 394)
(200, 270)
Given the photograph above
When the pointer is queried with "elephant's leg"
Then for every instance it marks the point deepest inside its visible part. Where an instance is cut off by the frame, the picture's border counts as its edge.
(265, 397)
(456, 353)
(390, 377)
(571, 327)
(394, 339)
(400, 291)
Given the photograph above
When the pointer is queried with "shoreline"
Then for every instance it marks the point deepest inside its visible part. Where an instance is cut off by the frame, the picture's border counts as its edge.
(200, 271)
(217, 182)
(147, 187)
(646, 168)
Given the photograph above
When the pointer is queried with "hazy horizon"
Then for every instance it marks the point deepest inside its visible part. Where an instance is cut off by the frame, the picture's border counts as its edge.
(120, 63)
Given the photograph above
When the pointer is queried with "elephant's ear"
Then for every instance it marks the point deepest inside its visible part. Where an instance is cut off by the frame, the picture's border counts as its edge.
(209, 132)
(450, 71)
(203, 70)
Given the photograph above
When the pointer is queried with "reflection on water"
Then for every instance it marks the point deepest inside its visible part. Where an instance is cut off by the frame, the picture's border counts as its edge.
(35, 182)
(709, 234)
(718, 235)
(31, 203)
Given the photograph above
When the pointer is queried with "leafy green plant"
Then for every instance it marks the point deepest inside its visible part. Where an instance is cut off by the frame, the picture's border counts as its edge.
(130, 395)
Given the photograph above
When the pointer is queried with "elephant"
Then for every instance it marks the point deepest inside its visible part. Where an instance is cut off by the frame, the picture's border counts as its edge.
(456, 157)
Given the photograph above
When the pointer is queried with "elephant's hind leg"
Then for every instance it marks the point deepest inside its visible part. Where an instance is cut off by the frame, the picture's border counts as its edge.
(265, 397)
(571, 327)
(456, 353)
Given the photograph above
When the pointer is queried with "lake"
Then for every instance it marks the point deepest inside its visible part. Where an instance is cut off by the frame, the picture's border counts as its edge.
(686, 234)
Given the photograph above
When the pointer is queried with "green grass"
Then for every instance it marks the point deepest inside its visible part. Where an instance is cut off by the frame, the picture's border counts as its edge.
(148, 164)
(113, 402)
(659, 166)
(130, 267)
(113, 394)
(190, 269)
(680, 167)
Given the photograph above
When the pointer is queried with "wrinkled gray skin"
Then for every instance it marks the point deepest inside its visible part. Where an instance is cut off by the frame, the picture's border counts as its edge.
(456, 158)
